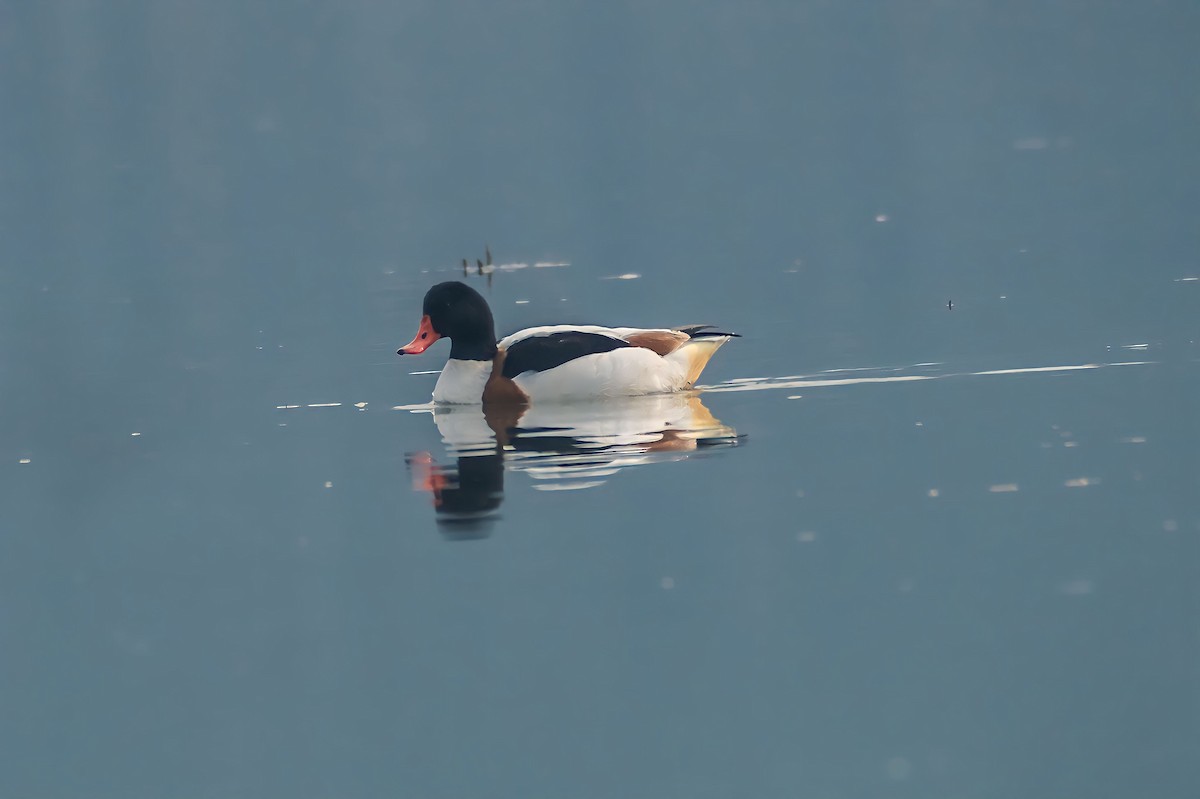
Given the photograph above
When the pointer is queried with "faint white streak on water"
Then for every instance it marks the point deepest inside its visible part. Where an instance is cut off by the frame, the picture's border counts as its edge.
(811, 383)
(852, 369)
(626, 276)
(1186, 279)
(567, 486)
(802, 381)
(1134, 440)
(1004, 488)
(1032, 369)
(1081, 482)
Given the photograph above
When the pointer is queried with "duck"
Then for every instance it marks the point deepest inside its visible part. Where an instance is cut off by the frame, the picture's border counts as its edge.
(553, 363)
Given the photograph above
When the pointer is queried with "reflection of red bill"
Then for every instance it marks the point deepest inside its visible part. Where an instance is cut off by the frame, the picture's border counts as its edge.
(427, 475)
(426, 335)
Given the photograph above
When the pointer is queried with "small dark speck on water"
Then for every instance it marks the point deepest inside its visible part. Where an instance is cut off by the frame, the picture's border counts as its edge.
(950, 305)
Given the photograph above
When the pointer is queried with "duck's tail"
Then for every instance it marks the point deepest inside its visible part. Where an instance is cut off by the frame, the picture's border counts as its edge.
(703, 342)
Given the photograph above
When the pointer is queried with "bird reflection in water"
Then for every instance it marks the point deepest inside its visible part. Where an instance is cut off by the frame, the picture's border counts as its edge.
(560, 447)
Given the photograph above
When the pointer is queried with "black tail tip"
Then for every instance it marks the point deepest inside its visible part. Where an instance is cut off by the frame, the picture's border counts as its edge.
(706, 331)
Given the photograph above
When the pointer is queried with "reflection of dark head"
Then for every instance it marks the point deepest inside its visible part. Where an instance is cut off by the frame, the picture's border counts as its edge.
(468, 508)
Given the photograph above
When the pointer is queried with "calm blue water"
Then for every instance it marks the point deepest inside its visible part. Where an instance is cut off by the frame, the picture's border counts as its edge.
(891, 549)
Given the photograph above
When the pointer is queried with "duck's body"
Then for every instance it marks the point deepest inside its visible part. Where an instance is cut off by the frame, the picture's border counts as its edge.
(554, 363)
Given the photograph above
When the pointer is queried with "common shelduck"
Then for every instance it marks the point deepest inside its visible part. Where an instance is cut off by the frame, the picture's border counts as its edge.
(553, 363)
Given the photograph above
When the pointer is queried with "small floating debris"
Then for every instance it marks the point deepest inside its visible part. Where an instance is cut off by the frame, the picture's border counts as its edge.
(626, 276)
(1031, 143)
(329, 484)
(1004, 488)
(25, 460)
(898, 768)
(933, 493)
(1134, 440)
(286, 407)
(324, 405)
(360, 405)
(1076, 588)
(882, 217)
(1081, 482)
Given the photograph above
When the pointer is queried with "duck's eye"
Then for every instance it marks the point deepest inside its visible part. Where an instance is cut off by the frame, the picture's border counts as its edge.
(424, 335)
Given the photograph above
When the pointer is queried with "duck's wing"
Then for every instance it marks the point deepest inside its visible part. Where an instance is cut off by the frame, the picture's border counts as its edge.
(547, 349)
(541, 348)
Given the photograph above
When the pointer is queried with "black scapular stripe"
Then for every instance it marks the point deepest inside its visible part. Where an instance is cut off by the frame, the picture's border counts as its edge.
(539, 353)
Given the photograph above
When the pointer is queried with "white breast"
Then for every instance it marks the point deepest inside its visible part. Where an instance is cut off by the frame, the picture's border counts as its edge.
(462, 382)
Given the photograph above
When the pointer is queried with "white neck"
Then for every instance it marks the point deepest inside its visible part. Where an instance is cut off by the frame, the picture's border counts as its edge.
(462, 382)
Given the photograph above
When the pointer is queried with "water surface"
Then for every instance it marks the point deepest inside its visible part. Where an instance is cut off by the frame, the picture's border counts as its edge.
(891, 548)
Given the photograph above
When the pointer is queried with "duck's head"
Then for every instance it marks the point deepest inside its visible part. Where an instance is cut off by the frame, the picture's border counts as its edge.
(458, 312)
